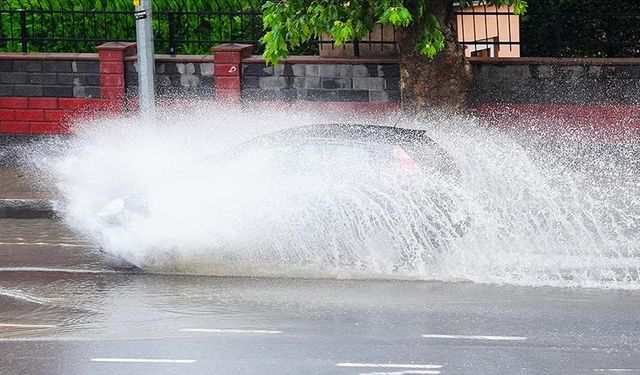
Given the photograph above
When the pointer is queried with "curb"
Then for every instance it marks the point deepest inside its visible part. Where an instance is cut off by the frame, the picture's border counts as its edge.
(27, 209)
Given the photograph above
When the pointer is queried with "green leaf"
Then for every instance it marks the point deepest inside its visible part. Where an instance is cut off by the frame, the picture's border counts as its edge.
(431, 39)
(397, 16)
(520, 8)
(342, 32)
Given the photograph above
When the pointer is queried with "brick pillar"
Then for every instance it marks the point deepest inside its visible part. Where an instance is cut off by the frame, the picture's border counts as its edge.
(227, 60)
(111, 56)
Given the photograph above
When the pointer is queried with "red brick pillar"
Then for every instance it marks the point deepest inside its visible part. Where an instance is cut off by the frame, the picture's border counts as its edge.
(227, 60)
(112, 80)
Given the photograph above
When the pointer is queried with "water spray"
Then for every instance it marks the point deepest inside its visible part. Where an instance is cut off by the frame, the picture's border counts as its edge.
(541, 213)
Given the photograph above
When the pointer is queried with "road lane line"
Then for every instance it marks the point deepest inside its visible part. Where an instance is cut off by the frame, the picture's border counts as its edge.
(616, 369)
(23, 296)
(43, 244)
(142, 360)
(390, 365)
(14, 325)
(404, 372)
(59, 270)
(475, 337)
(216, 330)
(57, 339)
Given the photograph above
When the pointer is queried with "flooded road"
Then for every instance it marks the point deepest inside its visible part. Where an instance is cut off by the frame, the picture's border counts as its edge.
(65, 310)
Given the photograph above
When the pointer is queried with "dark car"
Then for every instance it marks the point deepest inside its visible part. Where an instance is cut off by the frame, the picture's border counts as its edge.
(355, 181)
(383, 161)
(407, 150)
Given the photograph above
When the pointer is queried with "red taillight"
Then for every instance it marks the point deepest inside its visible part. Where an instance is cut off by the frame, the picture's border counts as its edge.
(404, 160)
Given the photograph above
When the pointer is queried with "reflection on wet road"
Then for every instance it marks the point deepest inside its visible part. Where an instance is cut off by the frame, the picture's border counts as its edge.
(64, 310)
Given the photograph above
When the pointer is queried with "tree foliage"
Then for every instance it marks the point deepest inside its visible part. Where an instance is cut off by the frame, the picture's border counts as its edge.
(290, 23)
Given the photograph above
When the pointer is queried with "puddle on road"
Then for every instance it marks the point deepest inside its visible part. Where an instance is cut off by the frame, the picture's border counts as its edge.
(138, 306)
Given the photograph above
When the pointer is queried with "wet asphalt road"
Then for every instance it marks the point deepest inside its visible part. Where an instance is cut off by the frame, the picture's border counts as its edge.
(64, 310)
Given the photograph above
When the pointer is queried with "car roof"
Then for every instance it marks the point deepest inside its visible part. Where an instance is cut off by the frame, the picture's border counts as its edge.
(350, 132)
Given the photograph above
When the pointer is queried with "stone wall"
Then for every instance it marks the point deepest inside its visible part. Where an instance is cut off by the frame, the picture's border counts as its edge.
(46, 93)
(556, 81)
(323, 81)
(45, 76)
(176, 77)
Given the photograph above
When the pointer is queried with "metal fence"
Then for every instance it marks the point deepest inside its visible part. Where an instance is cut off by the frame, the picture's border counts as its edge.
(489, 31)
(180, 26)
(30, 30)
(581, 33)
(193, 26)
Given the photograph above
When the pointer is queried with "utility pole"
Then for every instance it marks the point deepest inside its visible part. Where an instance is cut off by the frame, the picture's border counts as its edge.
(146, 64)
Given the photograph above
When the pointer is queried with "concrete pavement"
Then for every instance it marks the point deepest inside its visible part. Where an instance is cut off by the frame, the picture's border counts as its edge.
(20, 195)
(65, 310)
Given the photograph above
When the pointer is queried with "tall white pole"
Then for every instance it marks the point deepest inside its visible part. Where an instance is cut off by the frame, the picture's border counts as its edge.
(146, 64)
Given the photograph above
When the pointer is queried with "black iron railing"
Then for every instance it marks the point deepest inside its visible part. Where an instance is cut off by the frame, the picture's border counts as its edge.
(193, 26)
(485, 30)
(180, 26)
(581, 33)
(29, 30)
(192, 32)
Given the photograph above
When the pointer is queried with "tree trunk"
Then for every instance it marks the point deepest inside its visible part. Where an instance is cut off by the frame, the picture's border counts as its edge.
(442, 82)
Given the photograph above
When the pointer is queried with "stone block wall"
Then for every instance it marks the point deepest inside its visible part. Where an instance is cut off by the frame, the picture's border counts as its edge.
(176, 77)
(556, 81)
(597, 98)
(321, 81)
(60, 76)
(45, 93)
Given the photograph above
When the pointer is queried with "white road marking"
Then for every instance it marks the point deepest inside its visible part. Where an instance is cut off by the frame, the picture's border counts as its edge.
(23, 296)
(216, 330)
(616, 369)
(58, 339)
(142, 360)
(46, 269)
(42, 244)
(389, 365)
(13, 325)
(475, 337)
(406, 372)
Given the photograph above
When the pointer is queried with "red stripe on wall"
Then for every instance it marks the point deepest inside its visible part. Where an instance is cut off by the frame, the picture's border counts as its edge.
(598, 123)
(21, 115)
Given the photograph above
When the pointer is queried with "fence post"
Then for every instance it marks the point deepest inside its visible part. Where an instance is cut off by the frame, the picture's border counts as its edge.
(112, 71)
(558, 34)
(227, 59)
(172, 33)
(23, 30)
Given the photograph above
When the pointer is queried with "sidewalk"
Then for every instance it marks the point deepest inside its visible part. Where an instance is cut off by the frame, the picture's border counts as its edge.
(15, 184)
(20, 198)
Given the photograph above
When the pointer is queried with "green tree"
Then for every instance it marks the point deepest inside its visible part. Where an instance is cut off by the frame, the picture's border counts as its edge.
(432, 65)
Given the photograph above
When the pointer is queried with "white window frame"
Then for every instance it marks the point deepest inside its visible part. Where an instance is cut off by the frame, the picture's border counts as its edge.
(490, 45)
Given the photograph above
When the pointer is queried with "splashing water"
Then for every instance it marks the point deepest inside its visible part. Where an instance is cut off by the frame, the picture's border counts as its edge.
(542, 213)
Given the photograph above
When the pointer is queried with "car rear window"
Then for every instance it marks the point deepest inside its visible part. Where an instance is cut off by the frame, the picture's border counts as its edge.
(343, 159)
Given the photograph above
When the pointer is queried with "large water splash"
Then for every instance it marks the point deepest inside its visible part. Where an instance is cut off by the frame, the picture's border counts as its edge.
(544, 213)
